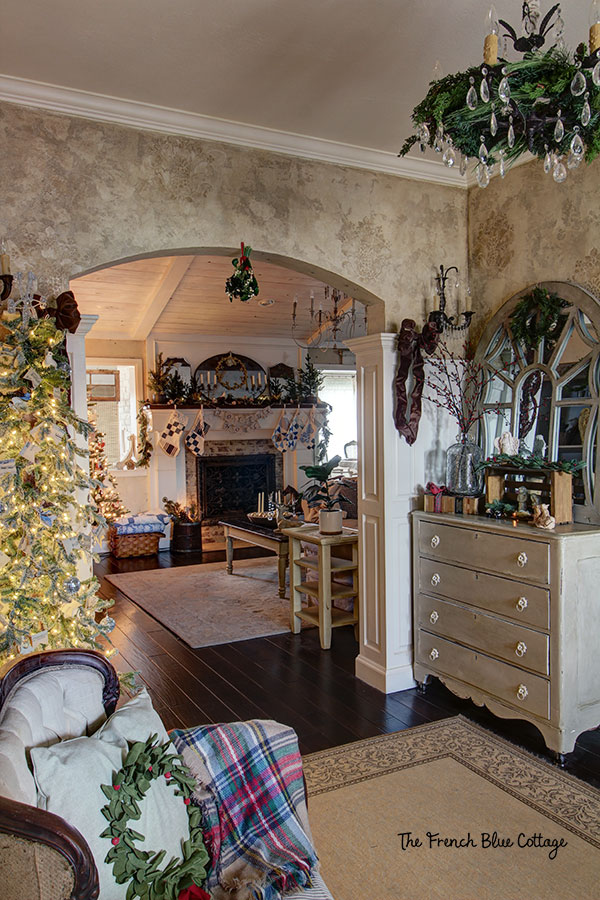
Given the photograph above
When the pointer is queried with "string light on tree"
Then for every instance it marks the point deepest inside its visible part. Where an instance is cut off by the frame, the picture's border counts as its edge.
(44, 530)
(105, 493)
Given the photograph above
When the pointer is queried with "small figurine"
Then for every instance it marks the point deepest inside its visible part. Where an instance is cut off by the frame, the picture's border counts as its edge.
(522, 497)
(507, 444)
(542, 517)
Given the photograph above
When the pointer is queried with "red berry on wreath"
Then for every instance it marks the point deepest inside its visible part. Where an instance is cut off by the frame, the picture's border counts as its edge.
(167, 774)
(187, 801)
(117, 787)
(115, 841)
(149, 768)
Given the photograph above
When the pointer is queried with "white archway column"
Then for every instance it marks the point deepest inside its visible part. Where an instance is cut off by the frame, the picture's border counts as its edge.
(390, 475)
(76, 353)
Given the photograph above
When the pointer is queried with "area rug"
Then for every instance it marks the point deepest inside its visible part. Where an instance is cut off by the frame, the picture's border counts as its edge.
(449, 811)
(205, 606)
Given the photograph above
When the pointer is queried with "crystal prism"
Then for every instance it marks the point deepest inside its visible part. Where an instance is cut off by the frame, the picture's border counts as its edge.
(483, 152)
(560, 171)
(573, 161)
(559, 129)
(483, 176)
(586, 112)
(504, 90)
(484, 91)
(577, 145)
(463, 165)
(502, 165)
(449, 156)
(493, 124)
(472, 97)
(547, 161)
(425, 136)
(578, 84)
(596, 74)
(510, 137)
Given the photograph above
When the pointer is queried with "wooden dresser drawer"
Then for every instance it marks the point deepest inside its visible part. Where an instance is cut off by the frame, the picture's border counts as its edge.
(522, 690)
(524, 603)
(513, 643)
(516, 557)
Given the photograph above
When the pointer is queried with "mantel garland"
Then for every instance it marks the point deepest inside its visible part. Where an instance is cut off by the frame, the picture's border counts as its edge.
(144, 763)
(532, 462)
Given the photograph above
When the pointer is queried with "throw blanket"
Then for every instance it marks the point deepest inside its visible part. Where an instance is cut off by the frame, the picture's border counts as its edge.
(251, 791)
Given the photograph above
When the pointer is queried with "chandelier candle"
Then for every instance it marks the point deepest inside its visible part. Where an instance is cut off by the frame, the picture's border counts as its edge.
(490, 45)
(595, 26)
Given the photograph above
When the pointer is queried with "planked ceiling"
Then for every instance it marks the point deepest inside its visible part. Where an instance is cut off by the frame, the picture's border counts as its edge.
(176, 295)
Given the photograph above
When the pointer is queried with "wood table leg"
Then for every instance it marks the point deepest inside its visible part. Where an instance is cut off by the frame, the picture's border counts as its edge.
(229, 553)
(281, 566)
(324, 553)
(295, 579)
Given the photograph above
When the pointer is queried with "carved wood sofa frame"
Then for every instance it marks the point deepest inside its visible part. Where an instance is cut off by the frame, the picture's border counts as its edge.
(38, 825)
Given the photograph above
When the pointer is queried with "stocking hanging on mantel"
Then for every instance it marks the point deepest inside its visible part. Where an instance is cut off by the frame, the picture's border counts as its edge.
(170, 439)
(194, 439)
(410, 344)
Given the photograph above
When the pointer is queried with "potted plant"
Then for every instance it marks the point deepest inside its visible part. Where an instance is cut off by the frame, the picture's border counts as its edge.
(330, 513)
(186, 536)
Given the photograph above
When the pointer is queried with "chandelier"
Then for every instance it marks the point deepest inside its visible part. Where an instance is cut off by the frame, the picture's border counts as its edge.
(547, 103)
(334, 320)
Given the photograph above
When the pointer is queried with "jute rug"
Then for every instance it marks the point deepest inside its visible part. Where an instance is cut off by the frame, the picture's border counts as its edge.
(205, 606)
(449, 811)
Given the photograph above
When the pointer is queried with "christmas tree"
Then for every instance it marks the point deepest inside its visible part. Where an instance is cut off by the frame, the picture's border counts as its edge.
(105, 493)
(45, 528)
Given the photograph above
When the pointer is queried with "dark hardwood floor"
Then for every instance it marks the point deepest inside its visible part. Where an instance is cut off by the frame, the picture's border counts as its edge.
(289, 678)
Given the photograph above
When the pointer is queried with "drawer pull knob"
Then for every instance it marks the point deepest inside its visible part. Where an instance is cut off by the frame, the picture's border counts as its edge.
(521, 648)
(434, 617)
(434, 654)
(435, 579)
(522, 559)
(522, 603)
(435, 541)
(522, 692)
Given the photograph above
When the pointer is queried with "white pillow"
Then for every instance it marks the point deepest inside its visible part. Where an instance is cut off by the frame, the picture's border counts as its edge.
(69, 774)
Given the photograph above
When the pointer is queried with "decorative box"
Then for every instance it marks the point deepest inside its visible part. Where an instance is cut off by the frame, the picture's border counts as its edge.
(550, 486)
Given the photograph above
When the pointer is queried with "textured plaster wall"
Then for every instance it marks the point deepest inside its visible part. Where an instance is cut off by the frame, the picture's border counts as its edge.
(526, 228)
(79, 195)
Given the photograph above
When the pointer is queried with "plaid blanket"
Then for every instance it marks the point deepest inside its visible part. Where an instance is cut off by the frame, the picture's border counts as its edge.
(251, 791)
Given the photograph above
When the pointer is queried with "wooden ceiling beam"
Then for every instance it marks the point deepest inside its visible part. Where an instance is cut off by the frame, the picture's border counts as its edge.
(160, 296)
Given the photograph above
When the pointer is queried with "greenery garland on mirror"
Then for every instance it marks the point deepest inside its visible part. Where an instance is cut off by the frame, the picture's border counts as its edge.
(537, 315)
(144, 763)
(538, 75)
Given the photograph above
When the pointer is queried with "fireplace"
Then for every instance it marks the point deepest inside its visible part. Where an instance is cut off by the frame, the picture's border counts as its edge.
(229, 485)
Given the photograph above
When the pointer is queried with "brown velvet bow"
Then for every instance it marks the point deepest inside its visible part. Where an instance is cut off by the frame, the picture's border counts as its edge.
(65, 312)
(410, 345)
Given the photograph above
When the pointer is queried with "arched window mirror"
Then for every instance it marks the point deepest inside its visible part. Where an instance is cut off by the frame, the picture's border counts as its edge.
(549, 396)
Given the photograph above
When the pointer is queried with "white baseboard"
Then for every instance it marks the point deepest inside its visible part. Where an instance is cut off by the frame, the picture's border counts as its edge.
(387, 681)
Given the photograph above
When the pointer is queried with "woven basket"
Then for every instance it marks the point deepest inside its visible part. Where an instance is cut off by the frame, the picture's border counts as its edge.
(123, 545)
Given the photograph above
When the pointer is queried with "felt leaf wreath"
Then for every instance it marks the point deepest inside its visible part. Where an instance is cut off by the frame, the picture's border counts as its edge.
(180, 878)
(242, 284)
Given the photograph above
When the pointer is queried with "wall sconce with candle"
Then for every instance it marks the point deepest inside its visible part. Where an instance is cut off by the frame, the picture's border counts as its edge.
(438, 316)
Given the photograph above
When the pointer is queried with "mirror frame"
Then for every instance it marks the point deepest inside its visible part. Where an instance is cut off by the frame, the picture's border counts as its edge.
(589, 304)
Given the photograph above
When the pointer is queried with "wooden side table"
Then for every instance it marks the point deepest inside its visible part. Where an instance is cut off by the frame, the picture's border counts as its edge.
(244, 530)
(325, 614)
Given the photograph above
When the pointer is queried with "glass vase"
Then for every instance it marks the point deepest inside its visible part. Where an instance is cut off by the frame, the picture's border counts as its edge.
(462, 475)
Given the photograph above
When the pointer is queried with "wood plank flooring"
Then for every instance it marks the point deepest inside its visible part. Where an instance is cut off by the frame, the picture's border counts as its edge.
(289, 678)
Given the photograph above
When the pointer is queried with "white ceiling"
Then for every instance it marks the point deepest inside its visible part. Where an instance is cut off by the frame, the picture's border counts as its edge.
(347, 71)
(185, 295)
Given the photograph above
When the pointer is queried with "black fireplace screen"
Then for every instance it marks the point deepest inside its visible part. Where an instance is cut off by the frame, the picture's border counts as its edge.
(229, 485)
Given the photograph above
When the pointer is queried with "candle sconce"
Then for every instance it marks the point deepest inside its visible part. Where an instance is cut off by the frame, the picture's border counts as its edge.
(439, 317)
(7, 283)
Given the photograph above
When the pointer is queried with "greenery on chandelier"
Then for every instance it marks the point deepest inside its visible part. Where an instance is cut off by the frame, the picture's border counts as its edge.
(45, 526)
(144, 763)
(537, 315)
(540, 87)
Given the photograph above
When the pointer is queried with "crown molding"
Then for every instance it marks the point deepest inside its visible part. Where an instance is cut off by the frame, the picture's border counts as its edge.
(149, 117)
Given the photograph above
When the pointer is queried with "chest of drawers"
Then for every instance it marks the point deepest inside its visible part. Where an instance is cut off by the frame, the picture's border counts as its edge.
(510, 617)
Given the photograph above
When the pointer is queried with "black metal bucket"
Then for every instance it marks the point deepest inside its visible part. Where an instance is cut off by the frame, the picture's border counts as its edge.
(186, 537)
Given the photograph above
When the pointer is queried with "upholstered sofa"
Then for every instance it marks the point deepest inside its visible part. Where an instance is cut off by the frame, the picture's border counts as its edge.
(47, 698)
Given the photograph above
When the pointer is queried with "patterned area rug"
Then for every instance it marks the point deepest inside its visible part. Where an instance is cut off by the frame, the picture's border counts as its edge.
(205, 606)
(449, 811)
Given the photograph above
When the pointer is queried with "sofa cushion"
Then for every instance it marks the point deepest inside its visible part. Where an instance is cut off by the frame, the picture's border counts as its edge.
(45, 707)
(69, 775)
